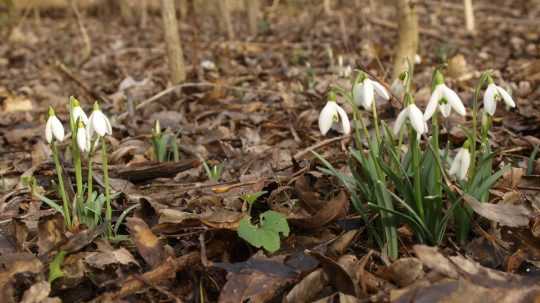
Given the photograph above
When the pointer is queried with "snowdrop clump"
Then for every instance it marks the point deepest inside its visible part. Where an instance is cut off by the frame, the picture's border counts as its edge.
(414, 183)
(85, 133)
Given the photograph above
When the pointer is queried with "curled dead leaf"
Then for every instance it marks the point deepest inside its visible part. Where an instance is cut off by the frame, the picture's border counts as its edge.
(336, 208)
(147, 243)
(504, 214)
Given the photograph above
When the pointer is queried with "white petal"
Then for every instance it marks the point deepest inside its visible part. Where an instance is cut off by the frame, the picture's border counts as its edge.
(82, 140)
(417, 119)
(57, 128)
(465, 161)
(433, 103)
(506, 97)
(397, 88)
(367, 94)
(344, 119)
(108, 124)
(454, 100)
(78, 113)
(48, 131)
(358, 95)
(455, 166)
(379, 89)
(445, 110)
(326, 117)
(98, 123)
(490, 105)
(403, 115)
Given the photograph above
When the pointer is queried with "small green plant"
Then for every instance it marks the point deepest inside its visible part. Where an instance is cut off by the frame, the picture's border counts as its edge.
(164, 144)
(411, 183)
(55, 267)
(213, 173)
(266, 233)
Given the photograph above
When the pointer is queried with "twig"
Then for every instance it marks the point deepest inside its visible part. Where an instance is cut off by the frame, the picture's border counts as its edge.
(91, 93)
(320, 144)
(159, 289)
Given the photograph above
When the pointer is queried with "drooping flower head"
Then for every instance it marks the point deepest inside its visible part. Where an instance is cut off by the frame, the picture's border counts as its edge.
(443, 98)
(364, 91)
(54, 130)
(98, 123)
(333, 116)
(77, 113)
(83, 139)
(398, 86)
(460, 165)
(412, 114)
(493, 94)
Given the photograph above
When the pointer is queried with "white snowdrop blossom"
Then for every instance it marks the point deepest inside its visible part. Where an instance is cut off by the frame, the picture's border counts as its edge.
(332, 115)
(445, 99)
(415, 117)
(493, 94)
(53, 128)
(98, 123)
(364, 93)
(460, 165)
(83, 139)
(397, 88)
(77, 113)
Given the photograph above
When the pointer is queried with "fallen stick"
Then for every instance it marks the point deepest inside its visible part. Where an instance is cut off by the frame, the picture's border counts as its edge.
(162, 272)
(320, 144)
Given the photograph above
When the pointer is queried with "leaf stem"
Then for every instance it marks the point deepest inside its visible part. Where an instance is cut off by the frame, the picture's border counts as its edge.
(105, 164)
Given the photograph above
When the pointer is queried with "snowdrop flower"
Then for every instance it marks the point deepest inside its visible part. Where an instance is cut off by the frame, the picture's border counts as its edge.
(398, 86)
(54, 128)
(443, 98)
(414, 115)
(460, 165)
(77, 113)
(332, 115)
(365, 90)
(83, 139)
(493, 94)
(98, 123)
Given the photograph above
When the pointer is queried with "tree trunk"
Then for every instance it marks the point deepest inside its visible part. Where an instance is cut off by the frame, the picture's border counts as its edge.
(407, 45)
(225, 8)
(172, 39)
(253, 12)
(469, 16)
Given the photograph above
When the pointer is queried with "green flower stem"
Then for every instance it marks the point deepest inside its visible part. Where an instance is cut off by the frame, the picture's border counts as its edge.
(65, 202)
(415, 153)
(357, 118)
(78, 177)
(108, 211)
(437, 173)
(90, 179)
(376, 121)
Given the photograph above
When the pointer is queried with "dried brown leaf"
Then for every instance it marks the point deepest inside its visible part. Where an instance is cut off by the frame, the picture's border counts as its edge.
(504, 214)
(335, 208)
(147, 243)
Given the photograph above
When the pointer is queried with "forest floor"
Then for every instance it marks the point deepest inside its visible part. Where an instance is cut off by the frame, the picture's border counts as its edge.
(252, 105)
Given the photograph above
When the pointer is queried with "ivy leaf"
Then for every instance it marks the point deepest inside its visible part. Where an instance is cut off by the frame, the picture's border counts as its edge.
(55, 270)
(266, 235)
